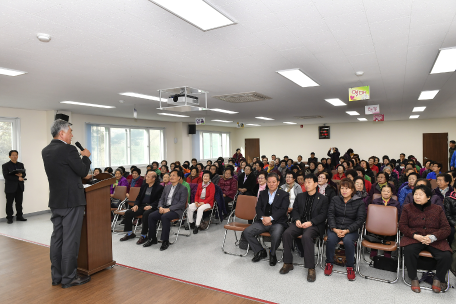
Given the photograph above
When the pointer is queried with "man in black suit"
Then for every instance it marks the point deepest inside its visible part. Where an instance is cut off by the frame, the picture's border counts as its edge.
(308, 219)
(171, 205)
(312, 159)
(271, 216)
(246, 181)
(64, 169)
(14, 186)
(145, 204)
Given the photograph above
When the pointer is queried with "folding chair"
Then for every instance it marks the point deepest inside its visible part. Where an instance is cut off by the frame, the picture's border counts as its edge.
(214, 208)
(120, 193)
(433, 184)
(245, 210)
(381, 220)
(425, 254)
(180, 221)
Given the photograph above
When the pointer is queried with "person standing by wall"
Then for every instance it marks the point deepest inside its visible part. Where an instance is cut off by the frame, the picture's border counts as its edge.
(14, 186)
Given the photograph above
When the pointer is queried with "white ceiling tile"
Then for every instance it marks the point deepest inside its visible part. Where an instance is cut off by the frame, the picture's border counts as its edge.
(377, 11)
(351, 24)
(365, 62)
(361, 45)
(391, 29)
(329, 8)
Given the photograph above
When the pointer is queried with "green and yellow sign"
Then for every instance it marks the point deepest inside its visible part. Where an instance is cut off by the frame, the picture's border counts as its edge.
(359, 93)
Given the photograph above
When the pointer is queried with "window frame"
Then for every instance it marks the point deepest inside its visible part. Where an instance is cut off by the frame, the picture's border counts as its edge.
(16, 133)
(210, 149)
(127, 141)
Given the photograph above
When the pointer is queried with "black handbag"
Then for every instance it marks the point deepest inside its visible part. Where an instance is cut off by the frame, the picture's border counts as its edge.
(373, 238)
(384, 263)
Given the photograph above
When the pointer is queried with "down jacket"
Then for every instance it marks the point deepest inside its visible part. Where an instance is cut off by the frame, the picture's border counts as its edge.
(350, 215)
(450, 208)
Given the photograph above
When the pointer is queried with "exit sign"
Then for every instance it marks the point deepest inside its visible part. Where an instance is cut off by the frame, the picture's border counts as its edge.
(323, 132)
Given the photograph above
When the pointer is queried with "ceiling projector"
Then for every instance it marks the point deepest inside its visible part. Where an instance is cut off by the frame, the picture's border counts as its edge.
(179, 99)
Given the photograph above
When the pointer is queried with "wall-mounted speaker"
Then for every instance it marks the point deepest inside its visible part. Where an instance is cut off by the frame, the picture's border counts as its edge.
(191, 129)
(62, 117)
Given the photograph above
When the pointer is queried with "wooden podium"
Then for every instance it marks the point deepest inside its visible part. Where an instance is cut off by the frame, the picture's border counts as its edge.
(95, 250)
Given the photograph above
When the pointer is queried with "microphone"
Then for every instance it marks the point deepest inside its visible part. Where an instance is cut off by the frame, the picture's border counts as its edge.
(77, 144)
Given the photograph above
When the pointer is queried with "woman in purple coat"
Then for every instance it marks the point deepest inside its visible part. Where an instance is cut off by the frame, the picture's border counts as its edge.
(120, 181)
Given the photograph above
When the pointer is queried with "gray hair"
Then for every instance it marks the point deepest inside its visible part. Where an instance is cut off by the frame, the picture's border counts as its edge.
(59, 125)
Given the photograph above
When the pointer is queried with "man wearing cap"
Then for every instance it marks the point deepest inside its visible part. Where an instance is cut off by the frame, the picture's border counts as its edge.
(452, 158)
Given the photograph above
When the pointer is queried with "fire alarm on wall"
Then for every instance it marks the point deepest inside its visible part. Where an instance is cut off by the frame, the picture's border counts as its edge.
(302, 126)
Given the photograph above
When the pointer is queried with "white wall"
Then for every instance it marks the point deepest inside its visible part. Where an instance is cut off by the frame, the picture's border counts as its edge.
(35, 135)
(365, 138)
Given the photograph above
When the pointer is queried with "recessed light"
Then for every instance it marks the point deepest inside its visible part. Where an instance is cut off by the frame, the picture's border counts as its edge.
(175, 115)
(220, 120)
(418, 109)
(336, 102)
(137, 95)
(289, 123)
(414, 116)
(253, 125)
(352, 113)
(87, 104)
(445, 62)
(426, 95)
(224, 111)
(9, 72)
(362, 119)
(264, 118)
(298, 77)
(359, 73)
(43, 37)
(196, 12)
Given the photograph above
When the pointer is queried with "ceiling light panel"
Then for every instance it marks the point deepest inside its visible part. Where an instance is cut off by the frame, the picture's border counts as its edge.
(175, 115)
(137, 95)
(87, 104)
(253, 125)
(336, 102)
(418, 109)
(362, 119)
(264, 118)
(446, 61)
(289, 123)
(414, 116)
(219, 120)
(426, 95)
(223, 111)
(196, 12)
(298, 77)
(9, 72)
(352, 113)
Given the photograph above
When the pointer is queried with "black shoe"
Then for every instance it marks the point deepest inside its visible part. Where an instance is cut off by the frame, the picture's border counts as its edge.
(150, 242)
(79, 279)
(164, 246)
(10, 221)
(262, 254)
(55, 283)
(272, 260)
(21, 219)
(128, 237)
(195, 230)
(192, 225)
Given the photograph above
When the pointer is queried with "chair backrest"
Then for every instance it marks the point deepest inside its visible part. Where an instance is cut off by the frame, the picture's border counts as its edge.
(394, 197)
(134, 192)
(245, 207)
(120, 192)
(376, 195)
(382, 220)
(433, 184)
(391, 183)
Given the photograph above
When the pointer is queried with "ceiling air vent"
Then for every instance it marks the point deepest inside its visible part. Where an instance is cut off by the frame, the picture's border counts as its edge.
(309, 117)
(242, 97)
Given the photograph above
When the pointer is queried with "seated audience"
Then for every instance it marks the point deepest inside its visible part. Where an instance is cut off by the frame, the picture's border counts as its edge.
(351, 174)
(324, 187)
(237, 156)
(320, 168)
(186, 167)
(329, 164)
(368, 174)
(96, 171)
(382, 180)
(425, 227)
(308, 219)
(361, 191)
(163, 170)
(156, 168)
(194, 162)
(443, 186)
(271, 216)
(312, 158)
(312, 169)
(209, 162)
(165, 179)
(292, 188)
(412, 178)
(146, 203)
(262, 184)
(392, 176)
(204, 199)
(258, 168)
(240, 169)
(435, 200)
(108, 170)
(200, 168)
(282, 169)
(360, 172)
(214, 176)
(136, 178)
(300, 181)
(372, 165)
(171, 206)
(386, 200)
(120, 181)
(228, 184)
(426, 169)
(271, 166)
(346, 215)
(247, 181)
(340, 173)
(403, 180)
(450, 211)
(194, 177)
(299, 159)
(348, 155)
(436, 167)
(171, 167)
(289, 163)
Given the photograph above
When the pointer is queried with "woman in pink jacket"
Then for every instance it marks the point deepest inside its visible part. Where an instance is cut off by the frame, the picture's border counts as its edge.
(204, 199)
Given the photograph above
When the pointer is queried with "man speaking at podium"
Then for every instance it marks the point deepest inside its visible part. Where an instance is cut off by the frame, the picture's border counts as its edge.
(64, 169)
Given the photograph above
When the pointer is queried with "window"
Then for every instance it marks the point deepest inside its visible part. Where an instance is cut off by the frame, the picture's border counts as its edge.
(114, 146)
(215, 145)
(9, 135)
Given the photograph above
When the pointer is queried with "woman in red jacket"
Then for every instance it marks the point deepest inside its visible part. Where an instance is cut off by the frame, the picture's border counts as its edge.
(228, 185)
(204, 199)
(194, 177)
(340, 173)
(425, 227)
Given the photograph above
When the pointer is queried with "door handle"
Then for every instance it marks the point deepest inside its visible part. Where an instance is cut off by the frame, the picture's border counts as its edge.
(425, 157)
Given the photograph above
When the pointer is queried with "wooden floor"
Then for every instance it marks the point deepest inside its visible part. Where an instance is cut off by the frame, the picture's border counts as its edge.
(25, 277)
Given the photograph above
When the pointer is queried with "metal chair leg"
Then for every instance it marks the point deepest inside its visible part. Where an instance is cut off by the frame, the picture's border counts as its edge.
(236, 244)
